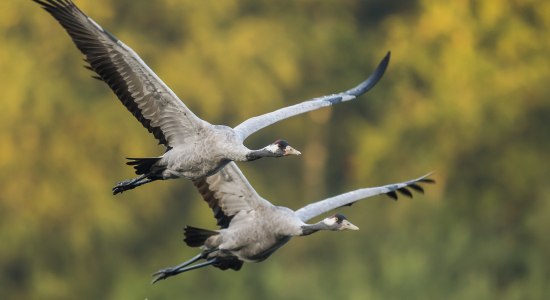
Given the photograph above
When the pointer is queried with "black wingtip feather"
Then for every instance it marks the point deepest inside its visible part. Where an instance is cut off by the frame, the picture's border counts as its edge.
(416, 188)
(392, 195)
(405, 191)
(427, 180)
(373, 79)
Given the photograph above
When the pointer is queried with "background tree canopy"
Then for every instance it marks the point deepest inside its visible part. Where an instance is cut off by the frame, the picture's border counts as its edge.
(466, 94)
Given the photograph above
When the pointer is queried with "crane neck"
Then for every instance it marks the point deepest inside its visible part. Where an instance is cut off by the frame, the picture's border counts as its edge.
(308, 229)
(257, 154)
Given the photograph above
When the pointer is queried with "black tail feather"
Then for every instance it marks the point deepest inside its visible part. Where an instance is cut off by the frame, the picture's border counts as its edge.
(195, 237)
(232, 263)
(142, 165)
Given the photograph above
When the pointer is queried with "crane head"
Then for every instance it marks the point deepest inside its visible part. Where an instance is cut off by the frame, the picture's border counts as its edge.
(339, 222)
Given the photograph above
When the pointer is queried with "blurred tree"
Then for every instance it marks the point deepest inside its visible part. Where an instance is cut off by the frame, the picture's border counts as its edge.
(465, 94)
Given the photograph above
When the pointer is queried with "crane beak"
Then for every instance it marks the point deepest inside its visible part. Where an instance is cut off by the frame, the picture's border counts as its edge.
(346, 225)
(291, 151)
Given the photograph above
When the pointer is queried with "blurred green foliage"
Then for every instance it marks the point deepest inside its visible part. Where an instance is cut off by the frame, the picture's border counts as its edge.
(466, 94)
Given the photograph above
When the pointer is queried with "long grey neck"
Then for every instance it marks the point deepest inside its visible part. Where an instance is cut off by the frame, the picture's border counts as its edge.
(257, 154)
(242, 153)
(309, 229)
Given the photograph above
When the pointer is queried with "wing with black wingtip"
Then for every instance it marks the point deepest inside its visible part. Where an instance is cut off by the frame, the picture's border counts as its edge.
(143, 93)
(406, 188)
(254, 124)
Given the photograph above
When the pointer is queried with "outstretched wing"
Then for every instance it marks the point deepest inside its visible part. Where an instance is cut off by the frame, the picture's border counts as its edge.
(254, 124)
(228, 192)
(135, 84)
(310, 211)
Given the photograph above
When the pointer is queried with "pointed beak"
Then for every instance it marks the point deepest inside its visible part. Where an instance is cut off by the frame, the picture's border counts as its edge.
(346, 225)
(291, 151)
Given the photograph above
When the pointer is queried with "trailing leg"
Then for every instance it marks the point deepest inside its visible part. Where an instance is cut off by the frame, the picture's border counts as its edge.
(132, 183)
(185, 266)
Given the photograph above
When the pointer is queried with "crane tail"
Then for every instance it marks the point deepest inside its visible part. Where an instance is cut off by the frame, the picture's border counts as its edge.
(143, 165)
(195, 237)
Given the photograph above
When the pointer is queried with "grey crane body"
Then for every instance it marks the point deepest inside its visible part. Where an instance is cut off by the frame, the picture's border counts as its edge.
(195, 148)
(203, 154)
(255, 243)
(252, 236)
(252, 229)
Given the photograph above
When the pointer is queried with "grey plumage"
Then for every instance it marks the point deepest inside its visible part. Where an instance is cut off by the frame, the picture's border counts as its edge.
(251, 228)
(195, 148)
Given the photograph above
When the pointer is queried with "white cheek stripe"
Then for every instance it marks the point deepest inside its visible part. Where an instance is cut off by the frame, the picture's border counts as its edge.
(272, 148)
(329, 221)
